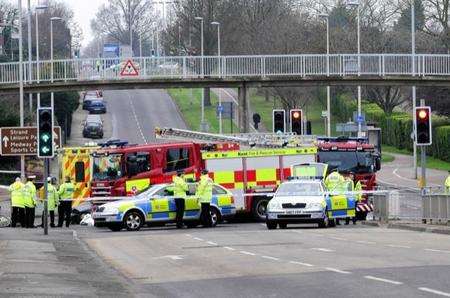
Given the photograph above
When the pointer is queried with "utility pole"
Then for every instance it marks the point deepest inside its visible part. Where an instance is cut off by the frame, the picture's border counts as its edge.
(414, 95)
(22, 157)
(30, 54)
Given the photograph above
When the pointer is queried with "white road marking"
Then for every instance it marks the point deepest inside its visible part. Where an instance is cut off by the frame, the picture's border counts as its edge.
(383, 280)
(172, 257)
(322, 249)
(401, 177)
(229, 248)
(212, 243)
(75, 235)
(435, 292)
(365, 242)
(270, 258)
(398, 246)
(188, 235)
(302, 264)
(199, 239)
(247, 253)
(338, 238)
(337, 270)
(437, 250)
(133, 110)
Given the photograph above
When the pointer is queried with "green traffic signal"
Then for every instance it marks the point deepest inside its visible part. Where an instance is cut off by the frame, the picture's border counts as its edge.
(45, 133)
(45, 137)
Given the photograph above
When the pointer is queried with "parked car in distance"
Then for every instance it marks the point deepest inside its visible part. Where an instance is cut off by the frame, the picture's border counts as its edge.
(97, 107)
(93, 127)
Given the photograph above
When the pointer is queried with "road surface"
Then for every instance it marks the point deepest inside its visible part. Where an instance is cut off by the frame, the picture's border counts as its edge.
(136, 113)
(247, 260)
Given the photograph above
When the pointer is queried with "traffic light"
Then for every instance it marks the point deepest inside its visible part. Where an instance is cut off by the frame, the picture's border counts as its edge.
(296, 118)
(45, 133)
(279, 121)
(423, 126)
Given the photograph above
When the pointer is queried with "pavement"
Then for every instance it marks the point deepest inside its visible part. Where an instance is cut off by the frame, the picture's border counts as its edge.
(400, 173)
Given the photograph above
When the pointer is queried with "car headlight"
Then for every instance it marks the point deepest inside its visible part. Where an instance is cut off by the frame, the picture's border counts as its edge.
(315, 206)
(110, 210)
(273, 205)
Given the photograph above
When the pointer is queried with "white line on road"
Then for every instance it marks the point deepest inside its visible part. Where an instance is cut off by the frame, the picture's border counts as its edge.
(302, 264)
(383, 280)
(247, 253)
(270, 258)
(199, 239)
(212, 243)
(338, 238)
(401, 177)
(133, 109)
(229, 248)
(398, 246)
(337, 270)
(187, 235)
(365, 242)
(435, 292)
(437, 250)
(322, 249)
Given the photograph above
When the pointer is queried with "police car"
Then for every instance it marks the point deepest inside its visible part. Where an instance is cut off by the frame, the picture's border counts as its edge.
(156, 205)
(304, 199)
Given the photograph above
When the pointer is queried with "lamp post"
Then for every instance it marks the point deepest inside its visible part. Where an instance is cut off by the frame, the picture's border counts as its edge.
(202, 123)
(327, 19)
(414, 96)
(220, 74)
(51, 54)
(30, 95)
(39, 7)
(22, 157)
(356, 4)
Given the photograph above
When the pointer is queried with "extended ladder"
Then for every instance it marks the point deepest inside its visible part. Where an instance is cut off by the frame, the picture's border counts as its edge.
(267, 140)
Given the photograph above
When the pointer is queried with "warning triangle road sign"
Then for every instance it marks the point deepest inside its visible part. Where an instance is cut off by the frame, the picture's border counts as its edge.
(129, 70)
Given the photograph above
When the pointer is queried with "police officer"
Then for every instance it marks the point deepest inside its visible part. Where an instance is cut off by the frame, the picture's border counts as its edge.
(17, 203)
(52, 201)
(204, 195)
(334, 181)
(65, 192)
(30, 201)
(447, 184)
(348, 185)
(180, 187)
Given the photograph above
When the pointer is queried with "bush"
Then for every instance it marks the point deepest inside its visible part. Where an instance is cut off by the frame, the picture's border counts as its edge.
(441, 143)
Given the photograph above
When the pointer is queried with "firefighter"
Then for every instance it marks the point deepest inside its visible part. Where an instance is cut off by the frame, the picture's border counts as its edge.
(180, 187)
(17, 203)
(52, 201)
(204, 195)
(447, 184)
(65, 192)
(30, 202)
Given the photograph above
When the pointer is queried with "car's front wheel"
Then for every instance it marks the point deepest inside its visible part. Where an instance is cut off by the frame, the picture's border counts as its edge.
(133, 221)
(215, 216)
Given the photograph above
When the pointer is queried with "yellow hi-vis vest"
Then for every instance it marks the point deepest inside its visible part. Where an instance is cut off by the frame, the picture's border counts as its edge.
(334, 181)
(29, 192)
(180, 187)
(447, 184)
(16, 190)
(204, 189)
(358, 187)
(66, 191)
(52, 197)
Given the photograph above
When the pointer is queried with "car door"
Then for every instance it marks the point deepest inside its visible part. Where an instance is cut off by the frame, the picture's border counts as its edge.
(162, 206)
(192, 209)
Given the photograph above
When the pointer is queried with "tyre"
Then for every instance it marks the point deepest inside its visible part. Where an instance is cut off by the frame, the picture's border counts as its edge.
(215, 216)
(259, 208)
(4, 221)
(282, 225)
(271, 225)
(115, 228)
(325, 221)
(133, 221)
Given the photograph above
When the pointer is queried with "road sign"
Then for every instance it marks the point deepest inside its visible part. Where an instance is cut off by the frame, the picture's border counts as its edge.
(227, 108)
(23, 140)
(129, 70)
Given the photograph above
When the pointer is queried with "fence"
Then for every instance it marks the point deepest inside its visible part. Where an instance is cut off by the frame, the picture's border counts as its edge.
(339, 65)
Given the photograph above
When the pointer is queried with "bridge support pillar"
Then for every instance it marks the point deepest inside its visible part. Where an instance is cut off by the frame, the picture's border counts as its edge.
(243, 109)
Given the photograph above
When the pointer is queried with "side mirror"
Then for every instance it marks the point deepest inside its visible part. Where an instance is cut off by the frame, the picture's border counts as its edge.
(378, 163)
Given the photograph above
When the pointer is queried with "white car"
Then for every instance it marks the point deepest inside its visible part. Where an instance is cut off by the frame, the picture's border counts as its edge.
(306, 201)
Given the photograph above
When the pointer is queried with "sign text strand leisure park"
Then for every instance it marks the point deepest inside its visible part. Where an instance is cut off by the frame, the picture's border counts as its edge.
(18, 141)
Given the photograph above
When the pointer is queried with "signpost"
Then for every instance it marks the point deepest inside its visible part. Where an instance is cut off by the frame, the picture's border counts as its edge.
(18, 141)
(129, 70)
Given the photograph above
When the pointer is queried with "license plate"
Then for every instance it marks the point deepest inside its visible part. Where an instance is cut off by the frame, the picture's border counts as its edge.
(294, 212)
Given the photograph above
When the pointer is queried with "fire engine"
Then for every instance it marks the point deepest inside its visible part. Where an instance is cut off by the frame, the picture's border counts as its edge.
(355, 155)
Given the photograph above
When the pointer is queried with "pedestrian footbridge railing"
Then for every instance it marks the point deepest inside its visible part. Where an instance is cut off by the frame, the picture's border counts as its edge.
(270, 66)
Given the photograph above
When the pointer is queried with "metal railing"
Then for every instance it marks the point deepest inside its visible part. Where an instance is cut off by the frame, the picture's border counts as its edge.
(179, 68)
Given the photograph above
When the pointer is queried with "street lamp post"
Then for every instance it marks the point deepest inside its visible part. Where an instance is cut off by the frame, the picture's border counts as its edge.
(39, 7)
(356, 3)
(30, 54)
(414, 95)
(22, 157)
(327, 19)
(51, 55)
(220, 74)
(202, 123)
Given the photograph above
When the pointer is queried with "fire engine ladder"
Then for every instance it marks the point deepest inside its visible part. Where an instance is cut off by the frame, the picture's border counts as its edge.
(267, 140)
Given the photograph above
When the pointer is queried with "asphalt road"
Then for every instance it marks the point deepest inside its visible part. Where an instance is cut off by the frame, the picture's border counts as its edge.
(136, 113)
(247, 260)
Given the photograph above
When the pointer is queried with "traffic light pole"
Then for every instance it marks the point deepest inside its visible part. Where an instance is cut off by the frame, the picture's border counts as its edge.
(46, 174)
(423, 164)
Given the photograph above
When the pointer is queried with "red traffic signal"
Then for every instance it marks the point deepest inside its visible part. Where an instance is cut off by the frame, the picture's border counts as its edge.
(296, 119)
(423, 126)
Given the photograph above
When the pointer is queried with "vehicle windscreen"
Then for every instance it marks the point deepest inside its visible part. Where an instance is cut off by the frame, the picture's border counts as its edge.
(299, 189)
(148, 191)
(107, 167)
(97, 103)
(353, 161)
(93, 125)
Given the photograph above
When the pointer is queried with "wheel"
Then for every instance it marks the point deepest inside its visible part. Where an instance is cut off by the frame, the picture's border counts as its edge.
(115, 228)
(282, 225)
(325, 221)
(260, 208)
(133, 221)
(215, 216)
(4, 221)
(271, 225)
